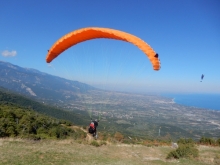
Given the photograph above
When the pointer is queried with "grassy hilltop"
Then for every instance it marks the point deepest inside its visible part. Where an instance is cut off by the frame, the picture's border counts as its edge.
(59, 152)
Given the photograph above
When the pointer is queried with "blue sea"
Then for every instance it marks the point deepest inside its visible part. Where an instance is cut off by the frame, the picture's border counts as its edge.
(206, 101)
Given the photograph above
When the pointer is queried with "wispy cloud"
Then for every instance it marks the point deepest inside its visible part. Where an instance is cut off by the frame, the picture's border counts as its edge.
(7, 53)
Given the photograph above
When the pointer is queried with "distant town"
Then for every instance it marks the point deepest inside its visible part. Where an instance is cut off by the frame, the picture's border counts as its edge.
(149, 111)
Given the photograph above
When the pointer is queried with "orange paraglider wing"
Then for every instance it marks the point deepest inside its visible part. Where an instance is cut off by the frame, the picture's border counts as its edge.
(89, 33)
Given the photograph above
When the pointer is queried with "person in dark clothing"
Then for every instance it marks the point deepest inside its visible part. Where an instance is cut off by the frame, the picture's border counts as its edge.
(92, 127)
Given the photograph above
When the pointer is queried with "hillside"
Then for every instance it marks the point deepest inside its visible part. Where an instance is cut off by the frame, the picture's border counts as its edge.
(18, 119)
(17, 151)
(12, 98)
(136, 115)
(23, 118)
(40, 85)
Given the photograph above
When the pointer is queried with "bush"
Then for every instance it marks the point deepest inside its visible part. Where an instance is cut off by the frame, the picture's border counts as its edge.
(103, 136)
(184, 151)
(23, 122)
(94, 143)
(102, 143)
(118, 136)
(84, 127)
(207, 141)
(189, 142)
(218, 142)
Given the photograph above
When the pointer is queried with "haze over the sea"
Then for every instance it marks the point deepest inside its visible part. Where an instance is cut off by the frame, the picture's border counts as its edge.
(206, 101)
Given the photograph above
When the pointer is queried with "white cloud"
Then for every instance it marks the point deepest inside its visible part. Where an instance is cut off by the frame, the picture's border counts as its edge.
(7, 53)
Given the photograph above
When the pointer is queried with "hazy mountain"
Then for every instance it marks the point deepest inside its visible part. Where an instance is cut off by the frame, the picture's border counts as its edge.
(39, 85)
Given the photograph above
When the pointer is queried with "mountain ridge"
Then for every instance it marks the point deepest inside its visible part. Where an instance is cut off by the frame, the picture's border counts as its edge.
(40, 85)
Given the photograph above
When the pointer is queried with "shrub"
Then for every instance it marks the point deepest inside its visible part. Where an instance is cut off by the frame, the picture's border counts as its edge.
(218, 142)
(102, 143)
(207, 141)
(184, 151)
(94, 143)
(84, 127)
(118, 136)
(189, 142)
(11, 131)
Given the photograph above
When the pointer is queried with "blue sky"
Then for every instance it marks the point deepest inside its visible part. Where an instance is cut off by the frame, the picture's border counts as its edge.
(185, 34)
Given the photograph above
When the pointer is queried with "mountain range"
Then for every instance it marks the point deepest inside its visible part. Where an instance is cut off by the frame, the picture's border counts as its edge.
(39, 85)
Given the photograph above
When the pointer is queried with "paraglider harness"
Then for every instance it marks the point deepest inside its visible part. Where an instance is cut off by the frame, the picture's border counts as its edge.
(92, 127)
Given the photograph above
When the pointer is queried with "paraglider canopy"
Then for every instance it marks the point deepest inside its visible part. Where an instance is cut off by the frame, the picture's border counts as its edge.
(89, 33)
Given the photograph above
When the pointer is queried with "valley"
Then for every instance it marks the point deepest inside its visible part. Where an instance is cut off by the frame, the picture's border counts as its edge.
(147, 116)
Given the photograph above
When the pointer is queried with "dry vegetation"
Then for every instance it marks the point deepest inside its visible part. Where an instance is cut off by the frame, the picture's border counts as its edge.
(18, 151)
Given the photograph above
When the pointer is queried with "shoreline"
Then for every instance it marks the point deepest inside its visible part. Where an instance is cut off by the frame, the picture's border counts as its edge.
(207, 102)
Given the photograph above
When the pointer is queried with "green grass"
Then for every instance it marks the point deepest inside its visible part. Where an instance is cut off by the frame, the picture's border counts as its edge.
(69, 151)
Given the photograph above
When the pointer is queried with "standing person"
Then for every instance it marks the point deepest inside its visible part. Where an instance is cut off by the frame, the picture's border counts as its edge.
(93, 127)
